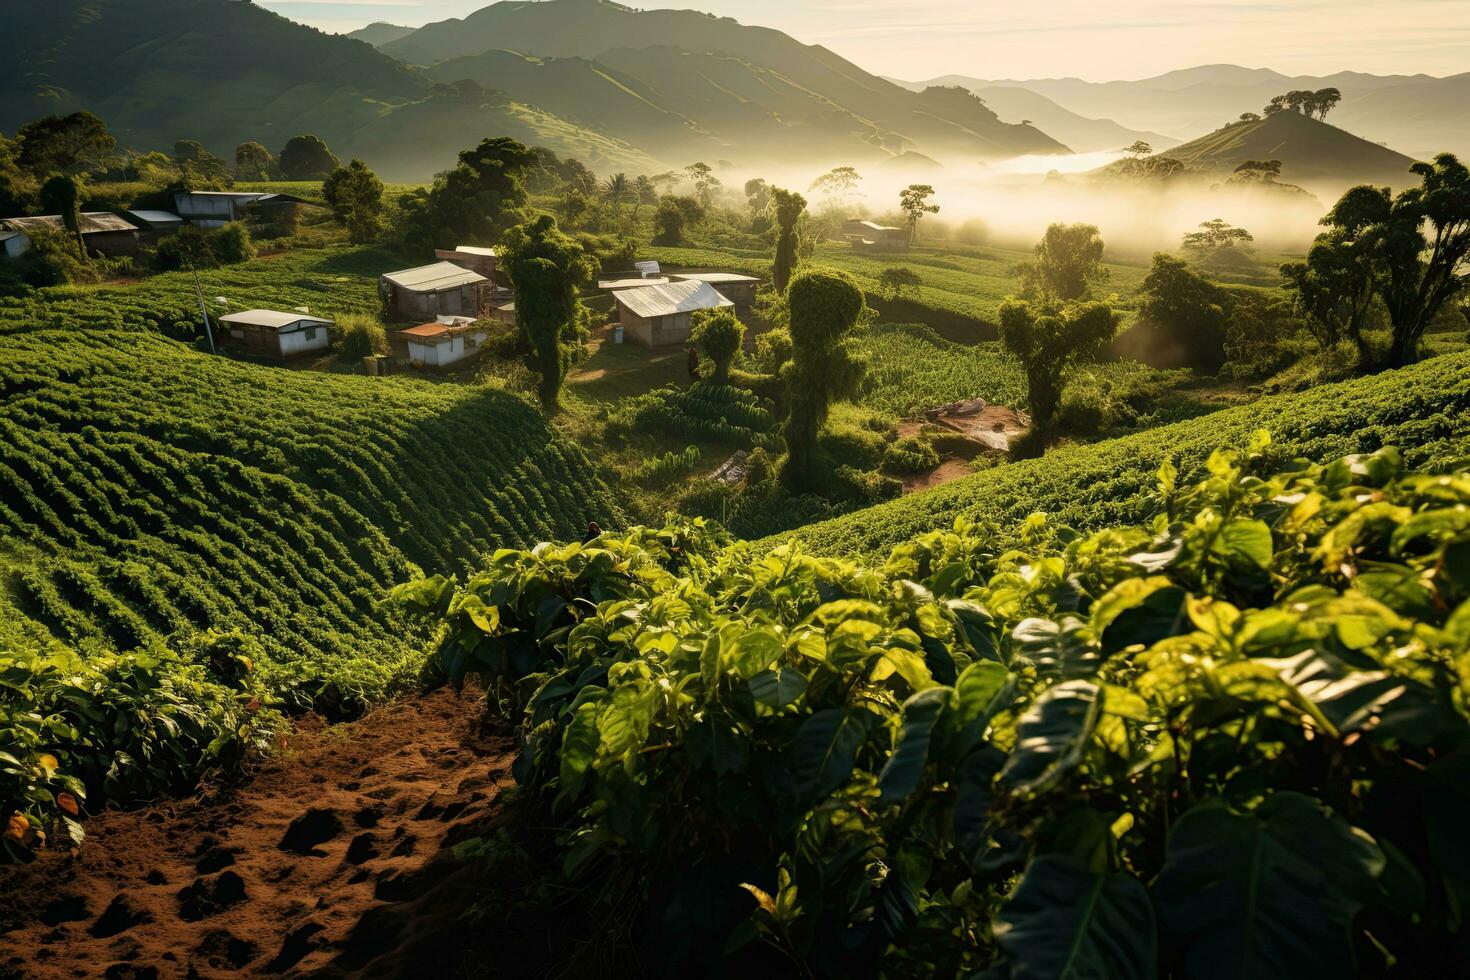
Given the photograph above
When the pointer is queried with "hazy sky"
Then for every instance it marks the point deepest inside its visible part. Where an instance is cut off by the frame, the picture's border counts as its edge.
(919, 39)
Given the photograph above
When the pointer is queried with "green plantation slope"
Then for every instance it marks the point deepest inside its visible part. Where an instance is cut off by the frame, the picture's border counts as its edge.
(149, 491)
(1424, 410)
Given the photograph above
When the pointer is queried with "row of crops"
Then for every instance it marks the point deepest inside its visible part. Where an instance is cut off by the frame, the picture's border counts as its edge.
(1229, 742)
(1424, 408)
(150, 492)
(328, 282)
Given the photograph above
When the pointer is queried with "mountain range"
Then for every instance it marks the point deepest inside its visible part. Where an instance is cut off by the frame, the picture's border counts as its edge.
(1417, 114)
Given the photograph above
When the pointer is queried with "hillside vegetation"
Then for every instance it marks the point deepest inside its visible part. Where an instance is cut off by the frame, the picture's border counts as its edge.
(1422, 408)
(225, 72)
(1309, 150)
(154, 492)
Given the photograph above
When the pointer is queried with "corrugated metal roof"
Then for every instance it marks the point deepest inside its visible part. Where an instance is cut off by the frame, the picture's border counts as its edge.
(475, 250)
(616, 284)
(157, 217)
(715, 277)
(427, 331)
(249, 197)
(677, 297)
(272, 319)
(92, 223)
(432, 278)
(874, 226)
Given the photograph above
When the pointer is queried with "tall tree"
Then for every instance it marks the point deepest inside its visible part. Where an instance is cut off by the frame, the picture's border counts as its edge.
(757, 196)
(547, 269)
(644, 192)
(913, 200)
(61, 195)
(1139, 149)
(615, 189)
(837, 184)
(1048, 340)
(705, 182)
(355, 195)
(1217, 233)
(208, 166)
(1335, 288)
(475, 201)
(74, 144)
(307, 158)
(824, 306)
(253, 162)
(1068, 264)
(789, 208)
(1187, 313)
(18, 189)
(1323, 101)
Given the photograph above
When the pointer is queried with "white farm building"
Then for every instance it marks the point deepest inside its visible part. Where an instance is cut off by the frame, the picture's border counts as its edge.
(275, 335)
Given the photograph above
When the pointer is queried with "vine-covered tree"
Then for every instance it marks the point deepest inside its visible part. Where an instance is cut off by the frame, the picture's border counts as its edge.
(475, 201)
(824, 306)
(1068, 265)
(913, 200)
(355, 195)
(74, 144)
(789, 208)
(306, 158)
(253, 162)
(61, 195)
(1048, 341)
(546, 269)
(719, 335)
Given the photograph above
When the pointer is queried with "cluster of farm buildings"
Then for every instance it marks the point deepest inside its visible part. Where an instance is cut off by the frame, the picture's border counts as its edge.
(450, 302)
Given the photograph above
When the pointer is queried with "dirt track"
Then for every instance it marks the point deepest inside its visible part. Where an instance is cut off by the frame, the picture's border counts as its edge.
(268, 877)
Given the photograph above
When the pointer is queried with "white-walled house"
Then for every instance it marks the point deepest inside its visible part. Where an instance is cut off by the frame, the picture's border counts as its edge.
(440, 344)
(274, 334)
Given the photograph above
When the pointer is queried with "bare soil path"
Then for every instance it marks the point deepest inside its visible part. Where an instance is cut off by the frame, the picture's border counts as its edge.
(273, 875)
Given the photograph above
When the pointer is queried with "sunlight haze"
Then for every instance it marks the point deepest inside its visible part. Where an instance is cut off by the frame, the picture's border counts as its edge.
(918, 39)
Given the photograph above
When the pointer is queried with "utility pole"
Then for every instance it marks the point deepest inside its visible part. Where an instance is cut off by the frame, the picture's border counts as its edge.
(208, 330)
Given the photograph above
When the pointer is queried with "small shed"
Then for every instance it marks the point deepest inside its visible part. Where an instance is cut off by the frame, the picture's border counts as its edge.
(439, 344)
(738, 289)
(429, 291)
(155, 220)
(475, 258)
(102, 233)
(648, 268)
(660, 316)
(870, 234)
(504, 311)
(211, 209)
(275, 335)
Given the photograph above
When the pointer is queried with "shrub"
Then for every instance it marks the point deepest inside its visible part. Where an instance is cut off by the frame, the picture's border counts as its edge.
(719, 336)
(773, 349)
(663, 470)
(1085, 410)
(910, 455)
(1125, 749)
(360, 335)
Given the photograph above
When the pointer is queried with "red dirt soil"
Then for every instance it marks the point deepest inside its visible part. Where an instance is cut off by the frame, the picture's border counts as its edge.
(272, 875)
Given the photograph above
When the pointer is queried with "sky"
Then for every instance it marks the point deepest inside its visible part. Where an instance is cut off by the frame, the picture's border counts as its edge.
(1098, 41)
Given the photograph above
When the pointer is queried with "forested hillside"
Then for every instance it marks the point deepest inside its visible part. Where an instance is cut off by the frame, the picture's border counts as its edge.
(225, 72)
(151, 491)
(823, 103)
(1424, 409)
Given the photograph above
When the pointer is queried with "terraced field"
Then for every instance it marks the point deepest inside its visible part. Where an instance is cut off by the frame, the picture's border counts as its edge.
(1425, 409)
(151, 492)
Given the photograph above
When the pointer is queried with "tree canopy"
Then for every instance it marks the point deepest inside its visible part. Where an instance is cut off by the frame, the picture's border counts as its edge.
(474, 202)
(1047, 341)
(74, 144)
(355, 195)
(306, 158)
(547, 269)
(1068, 264)
(825, 306)
(719, 335)
(913, 200)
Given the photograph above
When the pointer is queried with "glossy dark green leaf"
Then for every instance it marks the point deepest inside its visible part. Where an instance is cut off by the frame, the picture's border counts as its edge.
(1057, 649)
(905, 767)
(777, 688)
(1265, 895)
(825, 748)
(1052, 736)
(1064, 922)
(974, 789)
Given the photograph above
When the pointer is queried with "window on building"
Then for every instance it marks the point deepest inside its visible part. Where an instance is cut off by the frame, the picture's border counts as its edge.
(311, 333)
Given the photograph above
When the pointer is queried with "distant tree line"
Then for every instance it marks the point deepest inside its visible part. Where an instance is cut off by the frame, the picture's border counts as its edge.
(1313, 104)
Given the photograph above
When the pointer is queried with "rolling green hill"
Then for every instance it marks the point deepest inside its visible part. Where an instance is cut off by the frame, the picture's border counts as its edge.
(152, 492)
(379, 33)
(1424, 409)
(224, 72)
(1310, 151)
(721, 75)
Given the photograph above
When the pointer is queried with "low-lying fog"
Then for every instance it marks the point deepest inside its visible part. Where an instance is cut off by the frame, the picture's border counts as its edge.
(1010, 203)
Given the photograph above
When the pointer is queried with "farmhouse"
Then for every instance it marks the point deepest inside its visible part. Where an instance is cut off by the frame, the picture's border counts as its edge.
(211, 209)
(472, 257)
(275, 335)
(870, 234)
(658, 316)
(439, 344)
(738, 289)
(102, 233)
(429, 291)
